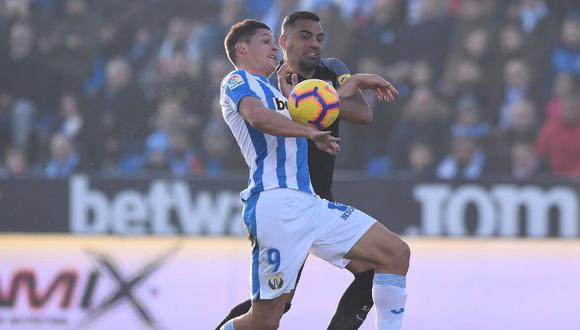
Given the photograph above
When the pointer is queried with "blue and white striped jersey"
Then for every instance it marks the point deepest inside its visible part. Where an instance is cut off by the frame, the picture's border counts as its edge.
(275, 162)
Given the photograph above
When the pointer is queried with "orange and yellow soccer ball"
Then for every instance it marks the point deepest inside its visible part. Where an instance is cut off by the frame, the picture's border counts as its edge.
(315, 102)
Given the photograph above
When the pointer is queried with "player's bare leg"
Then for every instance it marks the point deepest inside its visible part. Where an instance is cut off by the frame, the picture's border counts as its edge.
(263, 315)
(390, 255)
(352, 309)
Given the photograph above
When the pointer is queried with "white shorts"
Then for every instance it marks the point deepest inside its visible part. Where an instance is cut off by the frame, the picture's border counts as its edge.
(286, 225)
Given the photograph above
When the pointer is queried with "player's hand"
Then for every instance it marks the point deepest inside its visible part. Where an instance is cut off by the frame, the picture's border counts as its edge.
(283, 84)
(324, 141)
(384, 90)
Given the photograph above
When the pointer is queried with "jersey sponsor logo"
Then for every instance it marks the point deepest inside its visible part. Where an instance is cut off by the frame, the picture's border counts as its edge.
(276, 281)
(343, 77)
(280, 104)
(235, 80)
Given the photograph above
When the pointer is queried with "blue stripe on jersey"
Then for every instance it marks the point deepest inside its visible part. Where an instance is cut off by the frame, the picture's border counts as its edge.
(302, 174)
(259, 142)
(281, 141)
(250, 221)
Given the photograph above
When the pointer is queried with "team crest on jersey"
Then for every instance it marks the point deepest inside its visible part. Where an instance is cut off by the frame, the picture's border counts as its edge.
(235, 80)
(343, 77)
(276, 281)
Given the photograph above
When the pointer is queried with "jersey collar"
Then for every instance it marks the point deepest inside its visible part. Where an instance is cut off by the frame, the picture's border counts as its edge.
(262, 78)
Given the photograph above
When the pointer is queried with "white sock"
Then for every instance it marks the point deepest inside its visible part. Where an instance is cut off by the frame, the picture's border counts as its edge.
(228, 326)
(389, 297)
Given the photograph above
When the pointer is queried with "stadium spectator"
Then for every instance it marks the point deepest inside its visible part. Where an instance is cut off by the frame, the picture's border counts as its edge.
(557, 143)
(525, 162)
(468, 118)
(118, 122)
(173, 48)
(229, 12)
(182, 158)
(564, 83)
(170, 117)
(22, 86)
(16, 11)
(518, 85)
(216, 150)
(472, 15)
(180, 37)
(275, 12)
(566, 57)
(511, 43)
(72, 44)
(70, 122)
(429, 38)
(64, 158)
(382, 36)
(478, 47)
(539, 25)
(421, 160)
(421, 75)
(524, 129)
(181, 84)
(467, 159)
(463, 76)
(15, 164)
(424, 117)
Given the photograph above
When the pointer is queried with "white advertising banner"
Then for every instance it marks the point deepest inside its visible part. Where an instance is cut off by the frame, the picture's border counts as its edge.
(115, 283)
(63, 282)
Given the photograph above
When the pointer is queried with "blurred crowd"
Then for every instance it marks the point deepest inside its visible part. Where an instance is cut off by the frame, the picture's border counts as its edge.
(131, 87)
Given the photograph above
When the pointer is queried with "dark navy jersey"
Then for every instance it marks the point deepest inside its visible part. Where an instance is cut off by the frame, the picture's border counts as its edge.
(321, 163)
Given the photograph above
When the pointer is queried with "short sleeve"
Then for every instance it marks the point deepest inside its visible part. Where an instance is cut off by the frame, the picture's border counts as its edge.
(342, 71)
(237, 86)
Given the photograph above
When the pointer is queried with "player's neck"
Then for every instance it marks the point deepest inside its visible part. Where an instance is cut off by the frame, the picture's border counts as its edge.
(300, 71)
(252, 69)
(308, 74)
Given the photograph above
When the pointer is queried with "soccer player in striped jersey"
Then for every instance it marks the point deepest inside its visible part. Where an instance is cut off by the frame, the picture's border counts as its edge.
(283, 216)
(302, 40)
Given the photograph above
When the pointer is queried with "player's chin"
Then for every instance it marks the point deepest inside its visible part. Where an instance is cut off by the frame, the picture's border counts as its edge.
(310, 62)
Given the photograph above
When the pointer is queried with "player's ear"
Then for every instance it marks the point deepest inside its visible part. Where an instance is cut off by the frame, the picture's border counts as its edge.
(282, 41)
(242, 47)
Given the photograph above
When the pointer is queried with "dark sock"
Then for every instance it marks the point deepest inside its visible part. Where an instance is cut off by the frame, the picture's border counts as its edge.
(355, 304)
(240, 309)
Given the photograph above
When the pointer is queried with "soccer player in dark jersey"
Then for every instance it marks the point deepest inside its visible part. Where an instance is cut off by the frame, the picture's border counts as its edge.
(302, 41)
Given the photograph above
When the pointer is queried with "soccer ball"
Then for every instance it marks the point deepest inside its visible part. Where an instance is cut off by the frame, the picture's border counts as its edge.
(314, 101)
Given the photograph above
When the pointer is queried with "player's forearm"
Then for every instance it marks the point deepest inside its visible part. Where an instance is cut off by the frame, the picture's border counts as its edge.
(356, 110)
(273, 123)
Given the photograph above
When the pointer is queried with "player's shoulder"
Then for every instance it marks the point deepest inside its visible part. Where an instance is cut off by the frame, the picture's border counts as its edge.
(334, 64)
(235, 79)
(338, 67)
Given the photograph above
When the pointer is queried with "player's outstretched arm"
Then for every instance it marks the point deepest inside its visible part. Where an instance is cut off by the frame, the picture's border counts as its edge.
(353, 106)
(273, 123)
(384, 90)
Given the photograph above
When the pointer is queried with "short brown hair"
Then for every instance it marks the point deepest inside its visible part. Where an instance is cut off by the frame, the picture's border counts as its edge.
(241, 31)
(290, 21)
